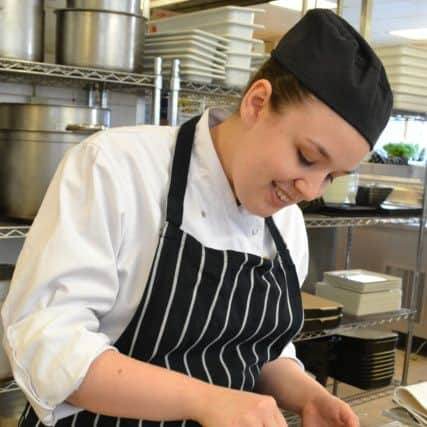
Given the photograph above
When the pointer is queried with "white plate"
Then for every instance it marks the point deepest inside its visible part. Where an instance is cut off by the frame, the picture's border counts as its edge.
(399, 79)
(402, 50)
(405, 61)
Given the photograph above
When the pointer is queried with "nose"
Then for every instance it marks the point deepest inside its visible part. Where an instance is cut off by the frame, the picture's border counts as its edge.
(311, 186)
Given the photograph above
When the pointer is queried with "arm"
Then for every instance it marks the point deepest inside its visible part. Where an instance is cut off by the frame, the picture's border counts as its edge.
(296, 391)
(118, 385)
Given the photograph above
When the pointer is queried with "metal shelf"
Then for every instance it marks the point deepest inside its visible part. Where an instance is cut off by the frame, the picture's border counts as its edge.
(353, 400)
(12, 231)
(18, 71)
(350, 322)
(209, 89)
(8, 386)
(322, 221)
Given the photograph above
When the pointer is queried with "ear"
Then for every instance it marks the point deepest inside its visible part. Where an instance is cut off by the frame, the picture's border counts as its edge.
(255, 101)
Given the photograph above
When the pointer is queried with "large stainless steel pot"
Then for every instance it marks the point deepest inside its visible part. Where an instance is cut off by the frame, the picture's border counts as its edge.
(127, 6)
(21, 29)
(99, 39)
(29, 161)
(30, 157)
(49, 117)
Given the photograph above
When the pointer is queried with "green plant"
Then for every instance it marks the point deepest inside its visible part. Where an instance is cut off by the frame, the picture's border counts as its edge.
(401, 149)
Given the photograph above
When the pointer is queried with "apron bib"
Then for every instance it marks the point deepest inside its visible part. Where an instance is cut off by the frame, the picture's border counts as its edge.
(215, 315)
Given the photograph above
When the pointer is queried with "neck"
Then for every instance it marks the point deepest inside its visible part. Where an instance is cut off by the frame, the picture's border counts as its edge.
(225, 137)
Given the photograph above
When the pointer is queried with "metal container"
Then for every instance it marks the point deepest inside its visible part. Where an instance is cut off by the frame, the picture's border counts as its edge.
(49, 117)
(21, 29)
(6, 272)
(100, 39)
(127, 6)
(30, 157)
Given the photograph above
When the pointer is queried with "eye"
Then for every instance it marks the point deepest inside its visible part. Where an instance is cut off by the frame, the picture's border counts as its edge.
(303, 160)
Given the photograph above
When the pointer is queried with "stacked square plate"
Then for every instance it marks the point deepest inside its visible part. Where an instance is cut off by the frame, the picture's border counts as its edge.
(406, 67)
(202, 55)
(233, 24)
(320, 313)
(365, 357)
(362, 292)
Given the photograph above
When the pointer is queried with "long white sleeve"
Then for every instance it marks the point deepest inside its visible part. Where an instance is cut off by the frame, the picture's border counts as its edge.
(65, 281)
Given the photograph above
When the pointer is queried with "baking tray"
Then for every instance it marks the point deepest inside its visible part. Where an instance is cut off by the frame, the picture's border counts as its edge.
(347, 209)
(321, 323)
(316, 307)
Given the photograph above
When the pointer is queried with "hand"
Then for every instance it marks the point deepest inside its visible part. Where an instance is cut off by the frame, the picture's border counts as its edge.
(232, 408)
(328, 411)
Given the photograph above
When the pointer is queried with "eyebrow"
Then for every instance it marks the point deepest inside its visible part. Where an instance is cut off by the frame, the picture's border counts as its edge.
(325, 154)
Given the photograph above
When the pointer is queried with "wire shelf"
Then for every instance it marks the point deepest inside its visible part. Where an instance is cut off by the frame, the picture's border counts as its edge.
(30, 72)
(8, 386)
(350, 322)
(12, 231)
(210, 89)
(322, 221)
(353, 400)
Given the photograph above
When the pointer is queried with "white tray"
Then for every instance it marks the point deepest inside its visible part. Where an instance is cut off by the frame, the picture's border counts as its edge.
(178, 41)
(405, 61)
(241, 44)
(402, 50)
(242, 59)
(237, 76)
(245, 15)
(185, 61)
(176, 35)
(409, 89)
(399, 79)
(190, 47)
(178, 53)
(406, 71)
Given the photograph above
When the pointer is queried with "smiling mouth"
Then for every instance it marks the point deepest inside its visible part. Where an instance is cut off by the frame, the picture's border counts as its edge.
(280, 194)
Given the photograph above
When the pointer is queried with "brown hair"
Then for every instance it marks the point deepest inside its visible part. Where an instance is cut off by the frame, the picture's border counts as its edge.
(286, 89)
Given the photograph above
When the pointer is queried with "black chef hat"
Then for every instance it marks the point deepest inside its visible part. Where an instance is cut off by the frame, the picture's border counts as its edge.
(329, 57)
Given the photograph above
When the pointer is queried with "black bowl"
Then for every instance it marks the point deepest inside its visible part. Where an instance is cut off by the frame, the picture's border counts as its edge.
(372, 195)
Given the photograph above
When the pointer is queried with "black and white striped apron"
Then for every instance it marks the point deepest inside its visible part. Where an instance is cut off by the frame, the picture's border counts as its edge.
(214, 315)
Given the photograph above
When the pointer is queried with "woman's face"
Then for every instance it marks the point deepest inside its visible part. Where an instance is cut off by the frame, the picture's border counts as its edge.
(285, 158)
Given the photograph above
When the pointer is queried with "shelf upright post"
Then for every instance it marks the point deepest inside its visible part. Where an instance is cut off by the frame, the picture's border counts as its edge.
(415, 281)
(173, 94)
(157, 92)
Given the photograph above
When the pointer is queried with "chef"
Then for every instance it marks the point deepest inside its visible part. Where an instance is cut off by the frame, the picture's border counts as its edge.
(160, 282)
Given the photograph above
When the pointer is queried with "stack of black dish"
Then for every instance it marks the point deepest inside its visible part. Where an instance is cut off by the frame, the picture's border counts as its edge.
(320, 313)
(365, 358)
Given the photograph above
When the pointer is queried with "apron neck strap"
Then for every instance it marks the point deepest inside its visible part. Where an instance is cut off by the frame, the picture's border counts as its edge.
(179, 175)
(180, 168)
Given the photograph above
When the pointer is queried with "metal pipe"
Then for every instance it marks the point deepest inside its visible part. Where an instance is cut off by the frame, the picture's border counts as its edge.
(366, 19)
(415, 281)
(340, 7)
(173, 94)
(157, 91)
(348, 245)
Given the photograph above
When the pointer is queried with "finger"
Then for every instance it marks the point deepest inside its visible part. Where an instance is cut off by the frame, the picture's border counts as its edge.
(280, 419)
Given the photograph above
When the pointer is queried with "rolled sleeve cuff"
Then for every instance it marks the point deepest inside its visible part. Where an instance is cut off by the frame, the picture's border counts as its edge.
(49, 385)
(289, 352)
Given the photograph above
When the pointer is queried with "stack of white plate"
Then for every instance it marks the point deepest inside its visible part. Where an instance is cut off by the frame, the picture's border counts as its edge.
(406, 67)
(235, 24)
(202, 55)
(361, 292)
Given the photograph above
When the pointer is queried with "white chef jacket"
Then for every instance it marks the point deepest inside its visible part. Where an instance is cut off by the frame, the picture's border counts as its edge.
(86, 260)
